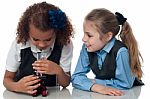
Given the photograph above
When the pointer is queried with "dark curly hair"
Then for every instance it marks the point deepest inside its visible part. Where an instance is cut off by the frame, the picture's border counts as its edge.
(37, 14)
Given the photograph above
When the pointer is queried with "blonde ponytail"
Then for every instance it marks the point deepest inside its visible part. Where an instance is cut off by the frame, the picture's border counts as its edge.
(135, 57)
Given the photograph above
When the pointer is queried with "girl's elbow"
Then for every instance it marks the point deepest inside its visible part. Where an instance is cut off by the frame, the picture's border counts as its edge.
(66, 85)
(127, 86)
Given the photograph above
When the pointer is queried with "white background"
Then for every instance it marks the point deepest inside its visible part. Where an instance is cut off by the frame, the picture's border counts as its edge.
(136, 12)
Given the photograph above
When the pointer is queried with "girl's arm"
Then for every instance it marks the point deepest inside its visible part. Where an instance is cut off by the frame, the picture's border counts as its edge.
(25, 85)
(63, 78)
(65, 65)
(79, 78)
(8, 81)
(62, 71)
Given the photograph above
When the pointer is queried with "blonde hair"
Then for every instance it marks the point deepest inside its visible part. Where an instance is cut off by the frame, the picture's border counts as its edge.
(106, 21)
(129, 40)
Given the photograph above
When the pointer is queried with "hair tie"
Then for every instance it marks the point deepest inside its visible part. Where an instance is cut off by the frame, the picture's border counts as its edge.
(57, 19)
(121, 19)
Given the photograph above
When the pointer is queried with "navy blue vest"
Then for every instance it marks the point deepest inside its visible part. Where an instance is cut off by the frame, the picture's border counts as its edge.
(109, 66)
(26, 67)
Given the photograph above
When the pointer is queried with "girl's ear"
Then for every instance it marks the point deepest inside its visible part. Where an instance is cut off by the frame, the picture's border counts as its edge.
(109, 36)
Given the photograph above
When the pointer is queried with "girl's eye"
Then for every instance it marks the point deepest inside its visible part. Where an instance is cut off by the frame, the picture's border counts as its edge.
(48, 39)
(89, 35)
(35, 39)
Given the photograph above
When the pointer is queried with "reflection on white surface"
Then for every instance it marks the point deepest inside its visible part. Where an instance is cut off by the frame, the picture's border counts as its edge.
(53, 93)
(129, 94)
(57, 93)
(138, 21)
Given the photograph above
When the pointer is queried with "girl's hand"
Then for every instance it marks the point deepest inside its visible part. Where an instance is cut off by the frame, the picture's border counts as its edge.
(46, 67)
(106, 90)
(28, 84)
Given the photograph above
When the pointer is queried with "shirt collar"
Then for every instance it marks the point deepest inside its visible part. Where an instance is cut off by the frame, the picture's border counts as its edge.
(108, 46)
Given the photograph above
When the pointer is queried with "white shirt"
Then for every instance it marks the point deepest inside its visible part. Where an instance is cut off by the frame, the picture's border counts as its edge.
(13, 58)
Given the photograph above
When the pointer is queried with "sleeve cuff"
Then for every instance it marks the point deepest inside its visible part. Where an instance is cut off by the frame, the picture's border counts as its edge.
(11, 69)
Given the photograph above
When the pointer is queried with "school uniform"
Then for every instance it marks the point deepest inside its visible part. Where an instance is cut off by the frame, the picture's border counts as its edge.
(118, 76)
(21, 57)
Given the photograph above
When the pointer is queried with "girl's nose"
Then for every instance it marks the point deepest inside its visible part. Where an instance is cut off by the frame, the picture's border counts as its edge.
(84, 39)
(41, 44)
